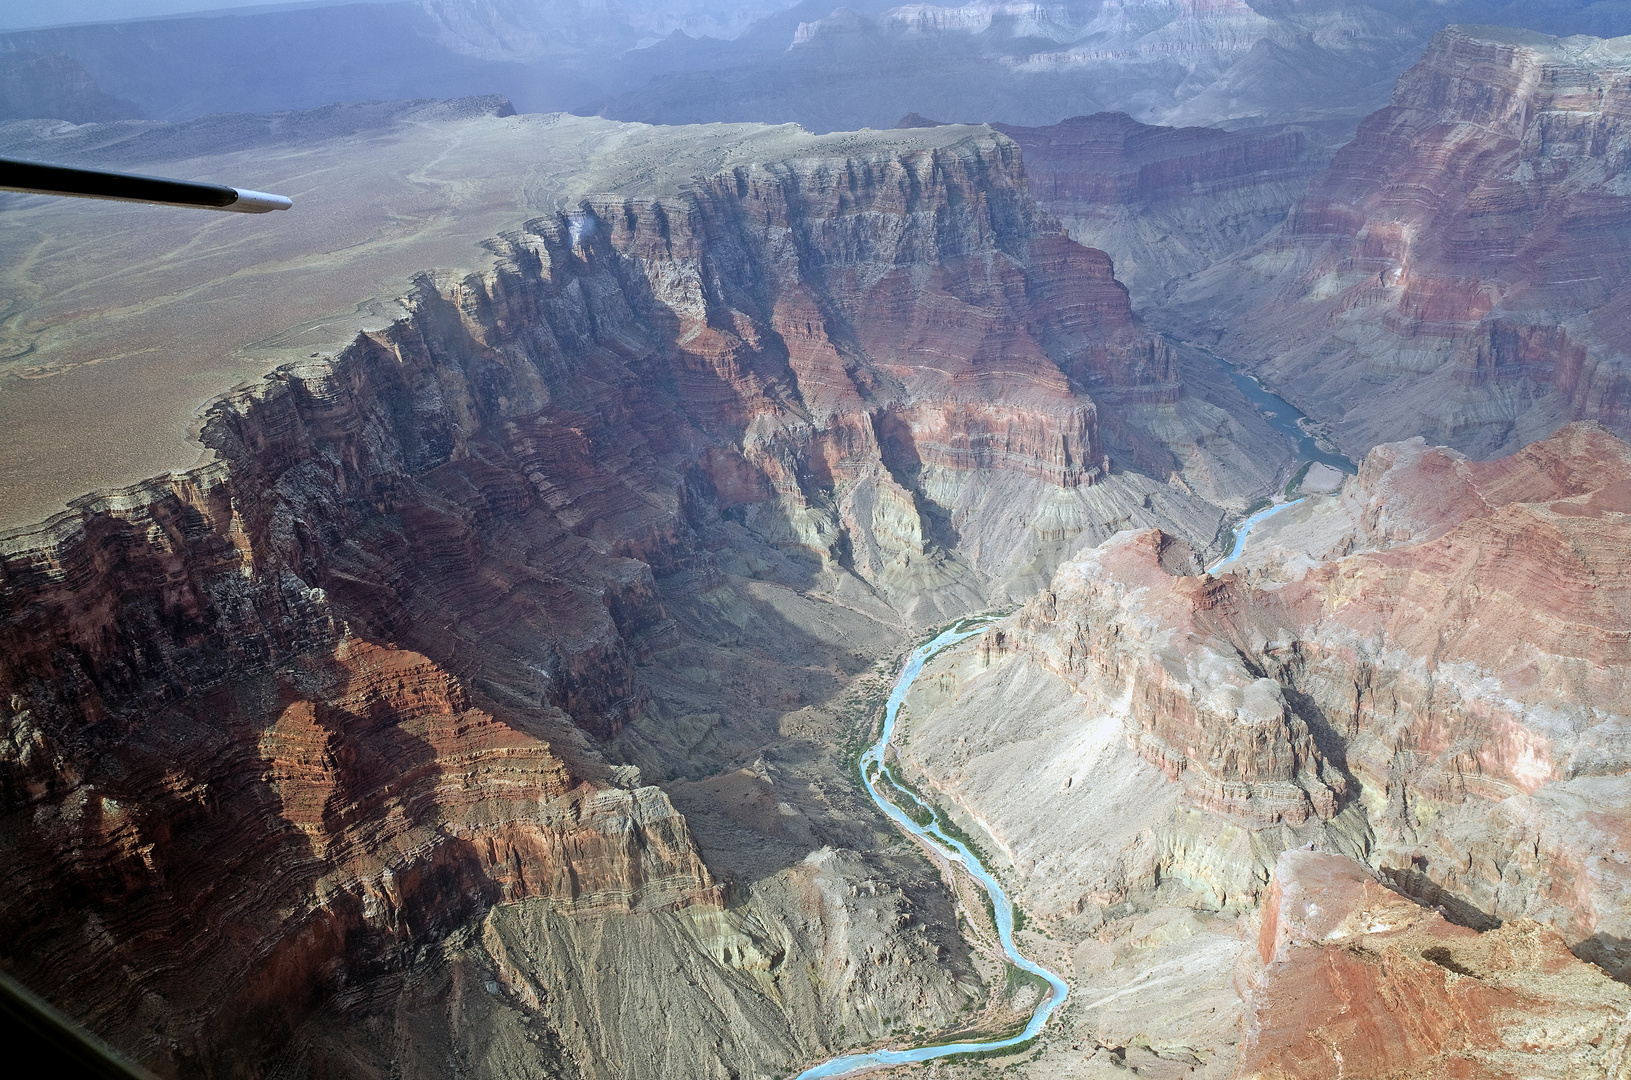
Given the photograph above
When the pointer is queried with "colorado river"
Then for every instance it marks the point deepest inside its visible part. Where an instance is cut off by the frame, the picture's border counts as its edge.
(1244, 528)
(956, 851)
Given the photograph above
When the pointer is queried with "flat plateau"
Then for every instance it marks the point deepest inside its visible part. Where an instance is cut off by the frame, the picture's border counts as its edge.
(119, 322)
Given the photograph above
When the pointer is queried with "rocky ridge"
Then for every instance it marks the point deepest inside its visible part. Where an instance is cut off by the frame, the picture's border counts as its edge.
(1360, 700)
(1336, 749)
(355, 717)
(1459, 270)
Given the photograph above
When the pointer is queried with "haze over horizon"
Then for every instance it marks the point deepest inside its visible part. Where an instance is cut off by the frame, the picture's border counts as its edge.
(25, 15)
(730, 541)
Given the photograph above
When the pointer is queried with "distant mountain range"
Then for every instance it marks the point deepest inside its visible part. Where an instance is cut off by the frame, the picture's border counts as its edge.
(1232, 62)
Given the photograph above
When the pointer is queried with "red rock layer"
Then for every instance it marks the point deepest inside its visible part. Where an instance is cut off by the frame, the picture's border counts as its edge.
(1461, 268)
(273, 724)
(1357, 980)
(215, 790)
(1465, 686)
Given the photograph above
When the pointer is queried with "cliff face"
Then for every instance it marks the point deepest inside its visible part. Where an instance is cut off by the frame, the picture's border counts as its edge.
(1351, 975)
(327, 719)
(1459, 271)
(1437, 687)
(870, 343)
(1192, 709)
(223, 784)
(1167, 202)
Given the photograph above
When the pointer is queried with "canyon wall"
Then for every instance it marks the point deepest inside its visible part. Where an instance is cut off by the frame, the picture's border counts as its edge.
(1437, 690)
(338, 726)
(1164, 202)
(1210, 62)
(1165, 61)
(1460, 269)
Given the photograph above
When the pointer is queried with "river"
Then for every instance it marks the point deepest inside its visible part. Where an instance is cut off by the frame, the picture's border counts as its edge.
(1244, 529)
(956, 851)
(1283, 417)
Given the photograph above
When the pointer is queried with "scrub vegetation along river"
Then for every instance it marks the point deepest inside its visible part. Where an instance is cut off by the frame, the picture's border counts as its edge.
(924, 822)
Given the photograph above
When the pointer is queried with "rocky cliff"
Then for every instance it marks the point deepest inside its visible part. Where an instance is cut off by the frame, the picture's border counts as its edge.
(1350, 975)
(1460, 270)
(1370, 698)
(1167, 202)
(353, 718)
(881, 338)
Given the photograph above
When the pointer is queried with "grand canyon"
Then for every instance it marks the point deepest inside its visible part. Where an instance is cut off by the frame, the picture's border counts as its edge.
(927, 542)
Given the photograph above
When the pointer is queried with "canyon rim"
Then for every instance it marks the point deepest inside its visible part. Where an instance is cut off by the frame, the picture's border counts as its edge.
(440, 625)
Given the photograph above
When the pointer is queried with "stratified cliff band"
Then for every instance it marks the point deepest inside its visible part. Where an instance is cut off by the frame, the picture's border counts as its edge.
(279, 725)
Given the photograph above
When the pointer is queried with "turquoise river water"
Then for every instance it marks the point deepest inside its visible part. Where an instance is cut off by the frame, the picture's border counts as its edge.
(957, 852)
(1280, 414)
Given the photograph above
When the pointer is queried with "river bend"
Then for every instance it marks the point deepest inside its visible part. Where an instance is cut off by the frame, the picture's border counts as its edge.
(956, 851)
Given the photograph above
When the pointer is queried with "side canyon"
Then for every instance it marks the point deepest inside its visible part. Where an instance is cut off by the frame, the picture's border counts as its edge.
(1459, 270)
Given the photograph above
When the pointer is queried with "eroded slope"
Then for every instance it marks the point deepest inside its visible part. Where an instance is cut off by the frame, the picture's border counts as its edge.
(1432, 685)
(1459, 271)
(361, 716)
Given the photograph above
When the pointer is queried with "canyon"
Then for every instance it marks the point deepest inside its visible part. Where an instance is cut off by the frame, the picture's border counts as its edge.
(825, 66)
(103, 325)
(485, 675)
(1459, 269)
(1357, 976)
(439, 633)
(1216, 62)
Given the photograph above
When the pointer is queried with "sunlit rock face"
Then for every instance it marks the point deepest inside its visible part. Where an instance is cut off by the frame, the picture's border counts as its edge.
(1460, 271)
(1437, 687)
(1350, 974)
(323, 724)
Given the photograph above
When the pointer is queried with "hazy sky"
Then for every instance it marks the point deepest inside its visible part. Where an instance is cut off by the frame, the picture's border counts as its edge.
(17, 14)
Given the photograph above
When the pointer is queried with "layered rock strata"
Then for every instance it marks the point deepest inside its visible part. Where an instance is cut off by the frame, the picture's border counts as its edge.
(1167, 202)
(877, 376)
(1437, 687)
(289, 728)
(1460, 269)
